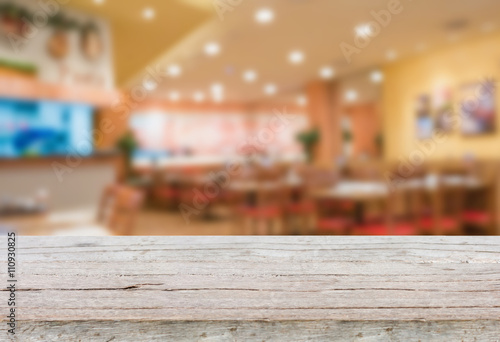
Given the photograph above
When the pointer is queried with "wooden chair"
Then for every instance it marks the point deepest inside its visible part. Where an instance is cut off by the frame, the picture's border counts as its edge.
(165, 190)
(300, 206)
(400, 209)
(406, 203)
(479, 204)
(118, 208)
(261, 210)
(333, 219)
(333, 216)
(446, 204)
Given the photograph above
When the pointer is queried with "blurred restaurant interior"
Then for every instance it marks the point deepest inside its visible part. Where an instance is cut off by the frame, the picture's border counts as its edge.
(239, 117)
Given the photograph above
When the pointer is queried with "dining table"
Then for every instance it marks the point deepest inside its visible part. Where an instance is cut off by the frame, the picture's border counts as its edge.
(359, 190)
(365, 191)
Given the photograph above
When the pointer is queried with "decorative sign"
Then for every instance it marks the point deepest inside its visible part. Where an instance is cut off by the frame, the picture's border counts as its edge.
(58, 44)
(478, 108)
(64, 46)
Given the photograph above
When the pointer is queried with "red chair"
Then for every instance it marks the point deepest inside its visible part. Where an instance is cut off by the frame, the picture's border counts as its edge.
(445, 225)
(334, 226)
(166, 195)
(446, 214)
(477, 217)
(300, 210)
(333, 218)
(371, 229)
(262, 209)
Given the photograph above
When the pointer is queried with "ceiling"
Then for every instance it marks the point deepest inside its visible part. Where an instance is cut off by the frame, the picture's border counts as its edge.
(137, 41)
(316, 27)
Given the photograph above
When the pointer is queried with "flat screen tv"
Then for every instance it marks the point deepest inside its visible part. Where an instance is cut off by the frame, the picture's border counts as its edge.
(44, 129)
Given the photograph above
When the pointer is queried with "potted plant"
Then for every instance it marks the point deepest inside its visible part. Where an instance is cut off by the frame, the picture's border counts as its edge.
(346, 136)
(347, 139)
(309, 139)
(13, 18)
(127, 145)
(379, 142)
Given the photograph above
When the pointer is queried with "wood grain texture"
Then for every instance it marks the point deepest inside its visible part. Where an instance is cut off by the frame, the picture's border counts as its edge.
(256, 288)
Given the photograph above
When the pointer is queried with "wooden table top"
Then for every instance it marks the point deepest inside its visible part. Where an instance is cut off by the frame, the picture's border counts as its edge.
(357, 190)
(256, 288)
(255, 185)
(367, 190)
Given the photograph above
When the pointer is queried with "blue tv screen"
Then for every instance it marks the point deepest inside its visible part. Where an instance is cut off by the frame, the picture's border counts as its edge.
(44, 129)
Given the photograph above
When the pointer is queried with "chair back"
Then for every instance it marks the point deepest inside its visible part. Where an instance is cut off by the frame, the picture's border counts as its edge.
(118, 208)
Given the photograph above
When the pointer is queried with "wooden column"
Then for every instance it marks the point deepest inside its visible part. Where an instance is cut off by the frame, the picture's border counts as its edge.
(324, 110)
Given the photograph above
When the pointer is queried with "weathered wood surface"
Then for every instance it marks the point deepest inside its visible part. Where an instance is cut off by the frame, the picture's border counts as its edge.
(256, 288)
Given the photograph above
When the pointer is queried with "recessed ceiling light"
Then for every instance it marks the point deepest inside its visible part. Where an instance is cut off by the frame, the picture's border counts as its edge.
(149, 85)
(174, 96)
(296, 57)
(99, 2)
(264, 16)
(270, 89)
(174, 70)
(351, 95)
(488, 27)
(391, 55)
(302, 100)
(148, 13)
(198, 96)
(376, 76)
(212, 49)
(363, 30)
(326, 72)
(217, 90)
(249, 76)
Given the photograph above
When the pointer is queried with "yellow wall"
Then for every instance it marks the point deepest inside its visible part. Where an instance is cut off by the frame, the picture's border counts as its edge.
(452, 66)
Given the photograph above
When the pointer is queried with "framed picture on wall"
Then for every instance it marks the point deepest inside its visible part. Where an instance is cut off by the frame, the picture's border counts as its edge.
(425, 123)
(478, 108)
(443, 109)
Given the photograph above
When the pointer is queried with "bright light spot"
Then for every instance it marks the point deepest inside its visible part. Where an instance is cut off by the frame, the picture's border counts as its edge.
(217, 91)
(351, 95)
(149, 85)
(363, 30)
(302, 100)
(249, 76)
(270, 89)
(99, 2)
(198, 96)
(296, 57)
(148, 13)
(212, 49)
(264, 16)
(174, 96)
(326, 72)
(174, 70)
(217, 88)
(376, 76)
